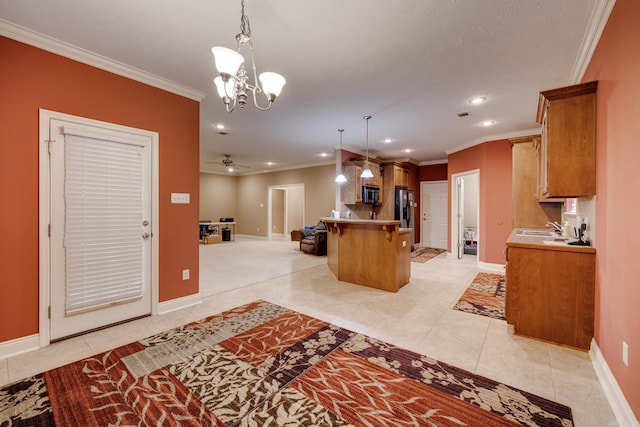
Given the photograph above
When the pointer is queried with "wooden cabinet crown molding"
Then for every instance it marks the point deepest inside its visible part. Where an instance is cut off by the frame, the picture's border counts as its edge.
(560, 93)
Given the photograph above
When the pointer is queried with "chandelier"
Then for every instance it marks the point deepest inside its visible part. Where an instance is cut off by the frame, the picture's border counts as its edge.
(233, 83)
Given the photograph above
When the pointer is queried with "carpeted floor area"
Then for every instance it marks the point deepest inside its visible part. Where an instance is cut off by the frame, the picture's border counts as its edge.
(261, 364)
(425, 254)
(484, 296)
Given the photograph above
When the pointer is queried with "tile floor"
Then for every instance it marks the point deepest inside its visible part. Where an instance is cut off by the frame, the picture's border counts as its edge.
(419, 317)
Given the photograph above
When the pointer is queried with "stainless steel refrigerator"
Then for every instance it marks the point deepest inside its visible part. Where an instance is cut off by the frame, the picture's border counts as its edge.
(404, 211)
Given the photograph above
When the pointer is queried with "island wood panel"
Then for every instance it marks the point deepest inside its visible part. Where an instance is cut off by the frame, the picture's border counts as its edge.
(369, 253)
(551, 295)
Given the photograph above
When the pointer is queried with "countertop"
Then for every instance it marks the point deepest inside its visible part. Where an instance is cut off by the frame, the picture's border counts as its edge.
(536, 242)
(361, 221)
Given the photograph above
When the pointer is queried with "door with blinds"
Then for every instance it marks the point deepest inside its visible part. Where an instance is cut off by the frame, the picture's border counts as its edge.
(100, 226)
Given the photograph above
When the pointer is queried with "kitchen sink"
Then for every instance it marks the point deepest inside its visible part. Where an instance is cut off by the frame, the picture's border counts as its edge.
(545, 233)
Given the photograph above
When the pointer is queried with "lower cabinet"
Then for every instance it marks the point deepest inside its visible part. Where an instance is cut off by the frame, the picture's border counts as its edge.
(551, 294)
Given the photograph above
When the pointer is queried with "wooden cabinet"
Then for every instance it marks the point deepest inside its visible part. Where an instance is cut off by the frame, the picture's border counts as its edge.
(551, 294)
(400, 176)
(528, 212)
(394, 175)
(352, 189)
(567, 149)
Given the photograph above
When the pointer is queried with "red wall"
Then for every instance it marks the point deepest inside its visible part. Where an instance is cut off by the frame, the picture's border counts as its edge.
(433, 172)
(31, 79)
(493, 159)
(616, 65)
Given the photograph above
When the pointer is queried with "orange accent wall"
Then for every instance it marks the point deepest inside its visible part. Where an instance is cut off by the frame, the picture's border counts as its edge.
(493, 159)
(433, 172)
(616, 66)
(30, 79)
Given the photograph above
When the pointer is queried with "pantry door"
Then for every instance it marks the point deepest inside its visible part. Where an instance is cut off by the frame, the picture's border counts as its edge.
(100, 244)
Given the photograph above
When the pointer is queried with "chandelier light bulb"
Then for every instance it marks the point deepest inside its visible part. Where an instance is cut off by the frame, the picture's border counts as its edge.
(234, 83)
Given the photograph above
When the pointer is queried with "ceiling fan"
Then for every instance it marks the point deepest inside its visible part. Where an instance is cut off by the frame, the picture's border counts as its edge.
(228, 163)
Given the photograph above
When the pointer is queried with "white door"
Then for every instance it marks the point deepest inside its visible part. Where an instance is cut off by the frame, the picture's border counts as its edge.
(434, 205)
(100, 226)
(460, 216)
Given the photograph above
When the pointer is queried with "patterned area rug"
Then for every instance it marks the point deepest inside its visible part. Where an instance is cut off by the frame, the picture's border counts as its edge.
(425, 254)
(265, 365)
(484, 296)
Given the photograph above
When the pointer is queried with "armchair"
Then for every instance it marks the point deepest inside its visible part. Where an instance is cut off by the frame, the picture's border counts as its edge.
(314, 241)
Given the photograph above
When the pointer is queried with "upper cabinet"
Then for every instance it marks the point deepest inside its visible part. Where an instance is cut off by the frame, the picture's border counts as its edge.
(528, 212)
(352, 189)
(400, 176)
(567, 148)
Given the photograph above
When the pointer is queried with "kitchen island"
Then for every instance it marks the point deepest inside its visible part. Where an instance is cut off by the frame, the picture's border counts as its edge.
(374, 253)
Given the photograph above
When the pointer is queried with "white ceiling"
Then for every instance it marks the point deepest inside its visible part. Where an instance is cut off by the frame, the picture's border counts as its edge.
(411, 64)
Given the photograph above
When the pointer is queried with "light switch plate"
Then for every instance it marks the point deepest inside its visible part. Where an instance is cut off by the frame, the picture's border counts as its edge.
(182, 198)
(185, 274)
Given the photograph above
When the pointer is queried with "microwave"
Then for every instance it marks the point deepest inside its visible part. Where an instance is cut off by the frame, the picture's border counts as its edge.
(370, 195)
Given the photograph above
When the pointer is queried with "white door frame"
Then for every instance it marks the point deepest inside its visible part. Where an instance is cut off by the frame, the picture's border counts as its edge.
(455, 237)
(286, 206)
(44, 277)
(422, 228)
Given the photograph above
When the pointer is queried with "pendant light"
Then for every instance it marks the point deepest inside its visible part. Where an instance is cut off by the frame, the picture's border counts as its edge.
(366, 172)
(341, 178)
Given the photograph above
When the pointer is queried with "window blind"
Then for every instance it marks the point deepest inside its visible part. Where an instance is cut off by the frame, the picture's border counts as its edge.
(103, 190)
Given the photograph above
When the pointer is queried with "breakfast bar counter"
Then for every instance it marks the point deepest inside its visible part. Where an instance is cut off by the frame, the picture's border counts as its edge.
(374, 253)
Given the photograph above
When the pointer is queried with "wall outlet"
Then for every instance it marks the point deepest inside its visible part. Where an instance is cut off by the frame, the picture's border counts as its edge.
(625, 353)
(185, 274)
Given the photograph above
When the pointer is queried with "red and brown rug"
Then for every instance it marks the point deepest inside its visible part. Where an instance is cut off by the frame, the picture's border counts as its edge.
(425, 254)
(265, 365)
(484, 296)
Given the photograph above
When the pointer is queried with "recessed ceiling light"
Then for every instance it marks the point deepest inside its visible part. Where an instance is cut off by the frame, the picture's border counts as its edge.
(324, 155)
(488, 123)
(407, 150)
(388, 140)
(219, 126)
(269, 163)
(477, 100)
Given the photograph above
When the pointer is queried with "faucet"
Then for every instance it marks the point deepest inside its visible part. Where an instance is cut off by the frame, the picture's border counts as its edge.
(557, 227)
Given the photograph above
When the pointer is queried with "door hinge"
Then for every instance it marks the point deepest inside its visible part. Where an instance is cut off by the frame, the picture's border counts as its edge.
(49, 312)
(49, 230)
(49, 144)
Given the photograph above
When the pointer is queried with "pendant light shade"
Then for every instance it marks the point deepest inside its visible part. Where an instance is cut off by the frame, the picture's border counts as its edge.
(366, 172)
(340, 179)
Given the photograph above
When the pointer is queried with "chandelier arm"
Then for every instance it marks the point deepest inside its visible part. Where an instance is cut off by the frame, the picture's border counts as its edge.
(256, 89)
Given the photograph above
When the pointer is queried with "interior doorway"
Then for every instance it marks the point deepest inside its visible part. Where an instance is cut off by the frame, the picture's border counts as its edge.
(285, 209)
(465, 216)
(434, 214)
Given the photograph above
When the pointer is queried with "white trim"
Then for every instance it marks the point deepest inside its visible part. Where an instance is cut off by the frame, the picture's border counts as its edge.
(494, 137)
(19, 346)
(619, 405)
(597, 22)
(179, 303)
(433, 162)
(497, 268)
(42, 41)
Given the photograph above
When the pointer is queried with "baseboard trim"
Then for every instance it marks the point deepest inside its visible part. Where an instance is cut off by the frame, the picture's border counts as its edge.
(498, 268)
(619, 405)
(179, 303)
(19, 346)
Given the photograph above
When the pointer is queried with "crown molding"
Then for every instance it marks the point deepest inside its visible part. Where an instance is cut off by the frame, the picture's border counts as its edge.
(494, 137)
(434, 162)
(597, 21)
(42, 41)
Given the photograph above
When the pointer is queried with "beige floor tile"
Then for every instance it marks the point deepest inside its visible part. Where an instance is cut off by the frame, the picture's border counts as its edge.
(4, 372)
(419, 317)
(47, 358)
